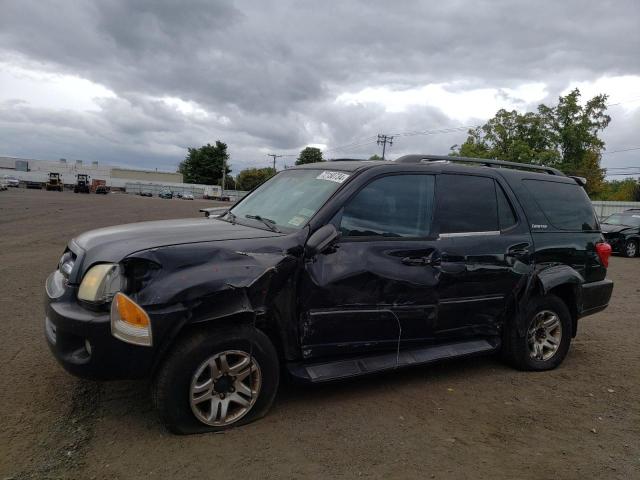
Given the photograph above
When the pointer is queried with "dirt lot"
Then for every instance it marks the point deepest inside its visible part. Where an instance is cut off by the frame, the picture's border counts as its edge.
(467, 419)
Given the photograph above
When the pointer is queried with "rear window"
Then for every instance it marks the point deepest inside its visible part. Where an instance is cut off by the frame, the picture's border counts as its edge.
(565, 205)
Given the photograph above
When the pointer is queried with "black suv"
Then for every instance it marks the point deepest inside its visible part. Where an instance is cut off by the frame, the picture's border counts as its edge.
(622, 231)
(329, 271)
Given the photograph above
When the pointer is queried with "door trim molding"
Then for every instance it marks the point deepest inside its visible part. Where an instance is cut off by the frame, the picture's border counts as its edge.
(470, 234)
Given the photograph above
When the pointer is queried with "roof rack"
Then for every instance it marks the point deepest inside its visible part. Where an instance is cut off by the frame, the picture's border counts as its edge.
(346, 160)
(481, 161)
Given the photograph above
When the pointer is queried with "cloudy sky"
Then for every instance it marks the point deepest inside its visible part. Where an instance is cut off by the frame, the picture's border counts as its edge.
(137, 82)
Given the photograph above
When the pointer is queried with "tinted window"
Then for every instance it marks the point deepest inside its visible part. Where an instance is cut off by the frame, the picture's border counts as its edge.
(506, 215)
(565, 205)
(290, 198)
(394, 206)
(466, 204)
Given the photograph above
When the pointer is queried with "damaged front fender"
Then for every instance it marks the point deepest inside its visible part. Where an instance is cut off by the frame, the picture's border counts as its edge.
(245, 280)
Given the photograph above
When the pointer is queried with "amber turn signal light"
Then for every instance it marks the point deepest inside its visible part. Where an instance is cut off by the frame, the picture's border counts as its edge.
(129, 322)
(130, 311)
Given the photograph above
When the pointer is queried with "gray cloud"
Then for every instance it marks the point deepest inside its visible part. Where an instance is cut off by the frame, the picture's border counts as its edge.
(274, 69)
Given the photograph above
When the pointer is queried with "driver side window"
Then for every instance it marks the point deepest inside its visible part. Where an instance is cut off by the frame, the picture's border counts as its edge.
(392, 206)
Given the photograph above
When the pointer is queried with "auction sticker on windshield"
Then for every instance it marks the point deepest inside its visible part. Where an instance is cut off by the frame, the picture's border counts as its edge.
(337, 177)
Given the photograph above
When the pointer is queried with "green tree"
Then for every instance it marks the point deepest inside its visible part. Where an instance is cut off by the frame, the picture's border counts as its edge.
(204, 165)
(250, 178)
(230, 182)
(375, 157)
(564, 136)
(309, 155)
(627, 190)
(511, 136)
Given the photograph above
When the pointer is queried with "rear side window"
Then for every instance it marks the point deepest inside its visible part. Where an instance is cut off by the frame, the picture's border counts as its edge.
(566, 205)
(506, 216)
(467, 204)
(393, 206)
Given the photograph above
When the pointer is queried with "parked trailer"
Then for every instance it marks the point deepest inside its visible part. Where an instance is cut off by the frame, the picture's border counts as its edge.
(214, 192)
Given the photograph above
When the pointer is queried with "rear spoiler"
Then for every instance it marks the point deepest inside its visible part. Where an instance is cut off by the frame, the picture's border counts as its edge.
(579, 180)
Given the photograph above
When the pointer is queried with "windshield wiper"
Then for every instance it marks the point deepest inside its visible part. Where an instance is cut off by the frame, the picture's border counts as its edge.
(267, 221)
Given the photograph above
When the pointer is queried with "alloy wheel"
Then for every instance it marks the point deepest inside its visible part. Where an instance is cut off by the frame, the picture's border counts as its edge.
(631, 249)
(225, 387)
(544, 335)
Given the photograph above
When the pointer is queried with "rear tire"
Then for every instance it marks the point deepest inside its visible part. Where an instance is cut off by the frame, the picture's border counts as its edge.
(235, 370)
(630, 248)
(547, 337)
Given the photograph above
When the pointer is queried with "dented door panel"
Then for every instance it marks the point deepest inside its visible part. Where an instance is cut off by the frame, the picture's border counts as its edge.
(364, 292)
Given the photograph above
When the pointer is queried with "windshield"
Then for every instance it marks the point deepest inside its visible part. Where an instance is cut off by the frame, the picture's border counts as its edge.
(631, 220)
(289, 199)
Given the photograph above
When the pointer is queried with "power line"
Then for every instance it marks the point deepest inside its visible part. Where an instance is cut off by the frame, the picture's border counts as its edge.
(620, 151)
(435, 132)
(349, 148)
(354, 144)
(629, 100)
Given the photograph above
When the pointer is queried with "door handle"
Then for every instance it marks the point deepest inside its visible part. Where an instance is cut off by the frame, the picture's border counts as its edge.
(518, 251)
(420, 261)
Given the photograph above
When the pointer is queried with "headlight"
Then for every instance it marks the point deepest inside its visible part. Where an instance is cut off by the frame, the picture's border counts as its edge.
(101, 283)
(65, 265)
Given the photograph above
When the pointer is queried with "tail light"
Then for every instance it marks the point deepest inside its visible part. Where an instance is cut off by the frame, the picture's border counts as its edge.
(604, 252)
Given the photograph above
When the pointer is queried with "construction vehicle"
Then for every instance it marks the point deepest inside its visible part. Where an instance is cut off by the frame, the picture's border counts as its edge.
(82, 183)
(95, 183)
(55, 182)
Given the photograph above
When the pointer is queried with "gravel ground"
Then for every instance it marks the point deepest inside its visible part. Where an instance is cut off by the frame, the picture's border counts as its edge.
(472, 418)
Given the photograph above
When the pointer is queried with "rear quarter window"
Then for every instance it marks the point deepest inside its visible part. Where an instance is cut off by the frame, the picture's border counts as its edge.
(565, 205)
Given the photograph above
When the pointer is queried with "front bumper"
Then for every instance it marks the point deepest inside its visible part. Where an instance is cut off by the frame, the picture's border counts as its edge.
(81, 339)
(595, 296)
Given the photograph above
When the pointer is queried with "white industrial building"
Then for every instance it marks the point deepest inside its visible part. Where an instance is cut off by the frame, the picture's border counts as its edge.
(115, 177)
(129, 180)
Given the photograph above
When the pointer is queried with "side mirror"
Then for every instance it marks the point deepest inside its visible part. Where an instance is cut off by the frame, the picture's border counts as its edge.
(321, 239)
(214, 211)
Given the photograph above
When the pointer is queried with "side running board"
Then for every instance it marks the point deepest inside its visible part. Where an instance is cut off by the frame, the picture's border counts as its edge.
(353, 367)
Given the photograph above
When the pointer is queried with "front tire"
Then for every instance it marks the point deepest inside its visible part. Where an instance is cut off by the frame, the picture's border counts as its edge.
(631, 248)
(547, 338)
(215, 379)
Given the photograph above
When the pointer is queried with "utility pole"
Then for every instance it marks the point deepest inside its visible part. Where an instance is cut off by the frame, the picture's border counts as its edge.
(383, 140)
(274, 159)
(224, 173)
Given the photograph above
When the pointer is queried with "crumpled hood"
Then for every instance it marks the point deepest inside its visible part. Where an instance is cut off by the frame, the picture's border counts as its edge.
(606, 228)
(112, 244)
